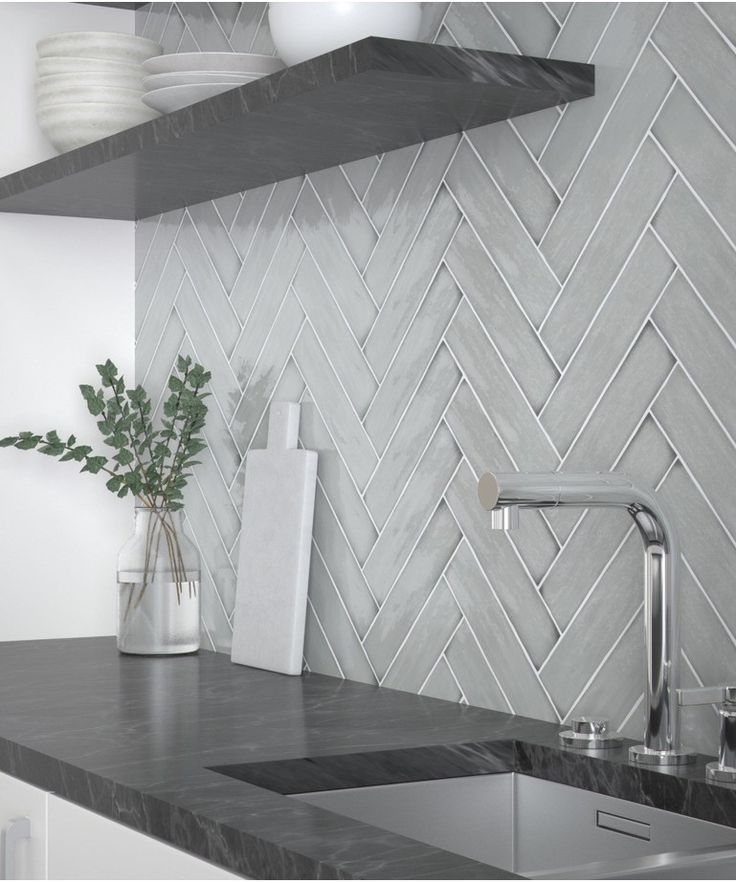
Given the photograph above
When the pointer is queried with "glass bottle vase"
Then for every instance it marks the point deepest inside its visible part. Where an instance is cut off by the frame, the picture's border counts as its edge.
(158, 587)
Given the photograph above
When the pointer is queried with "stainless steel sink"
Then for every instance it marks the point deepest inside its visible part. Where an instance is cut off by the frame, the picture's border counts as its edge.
(541, 829)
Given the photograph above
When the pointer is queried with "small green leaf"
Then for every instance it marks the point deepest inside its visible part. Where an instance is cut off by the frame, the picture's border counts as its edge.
(124, 457)
(8, 441)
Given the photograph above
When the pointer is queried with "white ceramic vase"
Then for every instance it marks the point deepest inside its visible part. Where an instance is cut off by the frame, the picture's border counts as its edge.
(304, 30)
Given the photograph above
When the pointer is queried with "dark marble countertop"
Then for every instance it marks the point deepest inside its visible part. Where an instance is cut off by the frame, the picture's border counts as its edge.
(135, 738)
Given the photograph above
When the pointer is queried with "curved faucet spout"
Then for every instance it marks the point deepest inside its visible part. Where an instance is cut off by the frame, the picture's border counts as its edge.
(505, 494)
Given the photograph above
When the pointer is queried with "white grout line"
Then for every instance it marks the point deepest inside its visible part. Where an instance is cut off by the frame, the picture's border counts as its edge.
(502, 276)
(715, 27)
(692, 94)
(709, 601)
(608, 655)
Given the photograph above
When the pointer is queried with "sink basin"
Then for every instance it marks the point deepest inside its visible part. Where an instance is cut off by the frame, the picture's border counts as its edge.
(542, 829)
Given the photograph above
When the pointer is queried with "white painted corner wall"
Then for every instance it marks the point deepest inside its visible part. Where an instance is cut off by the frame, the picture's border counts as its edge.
(66, 302)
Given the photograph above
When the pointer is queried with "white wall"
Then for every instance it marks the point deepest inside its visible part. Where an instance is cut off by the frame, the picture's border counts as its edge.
(66, 302)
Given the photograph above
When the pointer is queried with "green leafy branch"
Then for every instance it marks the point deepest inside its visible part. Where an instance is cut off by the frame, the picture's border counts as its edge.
(153, 464)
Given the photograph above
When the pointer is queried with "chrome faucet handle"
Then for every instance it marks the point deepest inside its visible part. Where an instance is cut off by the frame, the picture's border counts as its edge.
(590, 733)
(707, 695)
(724, 769)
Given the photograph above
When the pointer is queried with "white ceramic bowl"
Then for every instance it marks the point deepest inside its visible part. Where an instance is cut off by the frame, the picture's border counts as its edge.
(98, 44)
(234, 62)
(175, 97)
(63, 66)
(72, 125)
(66, 81)
(53, 94)
(304, 30)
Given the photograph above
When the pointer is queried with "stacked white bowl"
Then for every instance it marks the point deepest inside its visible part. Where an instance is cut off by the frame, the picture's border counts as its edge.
(90, 85)
(182, 78)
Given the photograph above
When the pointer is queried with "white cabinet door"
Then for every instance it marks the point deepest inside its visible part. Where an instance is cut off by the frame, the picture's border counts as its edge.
(22, 859)
(86, 846)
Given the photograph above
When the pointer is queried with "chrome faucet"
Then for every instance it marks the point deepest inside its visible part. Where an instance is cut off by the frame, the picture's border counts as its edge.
(504, 494)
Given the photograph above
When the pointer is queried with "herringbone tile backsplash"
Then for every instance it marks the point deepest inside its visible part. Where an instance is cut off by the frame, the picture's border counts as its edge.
(556, 292)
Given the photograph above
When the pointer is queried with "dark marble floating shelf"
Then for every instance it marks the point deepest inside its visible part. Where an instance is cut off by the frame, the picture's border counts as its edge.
(367, 98)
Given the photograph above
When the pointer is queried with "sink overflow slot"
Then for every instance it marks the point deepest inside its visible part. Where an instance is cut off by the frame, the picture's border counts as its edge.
(622, 825)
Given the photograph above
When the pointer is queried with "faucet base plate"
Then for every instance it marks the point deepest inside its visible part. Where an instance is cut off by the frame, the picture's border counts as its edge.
(650, 757)
(571, 739)
(714, 772)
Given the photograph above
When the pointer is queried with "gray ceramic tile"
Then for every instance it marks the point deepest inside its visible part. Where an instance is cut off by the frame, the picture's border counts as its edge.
(208, 349)
(497, 639)
(601, 530)
(270, 297)
(530, 25)
(412, 281)
(702, 58)
(317, 653)
(418, 579)
(220, 250)
(267, 369)
(596, 627)
(360, 173)
(703, 349)
(619, 683)
(712, 167)
(582, 29)
(473, 26)
(330, 326)
(326, 248)
(346, 213)
(388, 182)
(502, 234)
(337, 482)
(701, 251)
(607, 251)
(513, 418)
(414, 200)
(496, 307)
(343, 639)
(724, 16)
(159, 308)
(155, 263)
(604, 166)
(515, 590)
(706, 546)
(536, 201)
(606, 344)
(208, 285)
(400, 457)
(257, 234)
(340, 561)
(154, 372)
(425, 641)
(441, 684)
(617, 51)
(412, 512)
(411, 359)
(481, 685)
(699, 440)
(335, 407)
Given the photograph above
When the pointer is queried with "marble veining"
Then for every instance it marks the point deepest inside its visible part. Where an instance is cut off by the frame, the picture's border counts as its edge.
(369, 97)
(144, 741)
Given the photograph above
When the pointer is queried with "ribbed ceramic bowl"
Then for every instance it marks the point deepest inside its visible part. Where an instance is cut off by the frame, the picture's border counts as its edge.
(46, 86)
(233, 62)
(98, 44)
(72, 125)
(56, 65)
